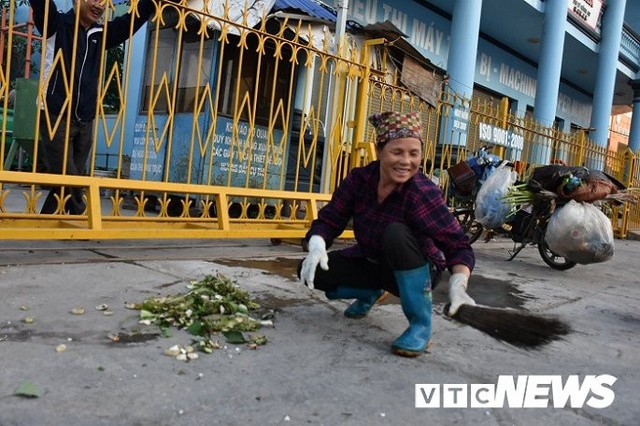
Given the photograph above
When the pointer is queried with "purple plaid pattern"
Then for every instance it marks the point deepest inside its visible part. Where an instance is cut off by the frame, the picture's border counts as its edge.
(419, 204)
(394, 125)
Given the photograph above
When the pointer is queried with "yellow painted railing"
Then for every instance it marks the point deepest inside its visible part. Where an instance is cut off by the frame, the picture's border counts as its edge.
(243, 129)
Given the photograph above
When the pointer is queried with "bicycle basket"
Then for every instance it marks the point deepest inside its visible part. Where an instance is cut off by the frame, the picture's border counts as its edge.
(521, 225)
(463, 178)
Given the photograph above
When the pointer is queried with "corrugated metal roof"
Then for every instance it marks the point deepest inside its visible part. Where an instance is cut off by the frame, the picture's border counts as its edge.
(393, 34)
(309, 7)
(385, 27)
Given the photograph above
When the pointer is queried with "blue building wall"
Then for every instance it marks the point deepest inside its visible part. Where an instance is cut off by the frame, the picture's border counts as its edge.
(496, 69)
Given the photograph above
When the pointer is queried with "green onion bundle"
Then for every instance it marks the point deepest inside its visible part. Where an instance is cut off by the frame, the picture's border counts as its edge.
(518, 195)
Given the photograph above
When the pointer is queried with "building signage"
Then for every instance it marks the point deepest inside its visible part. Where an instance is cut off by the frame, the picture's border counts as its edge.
(499, 136)
(586, 12)
(244, 155)
(460, 120)
(240, 156)
(147, 162)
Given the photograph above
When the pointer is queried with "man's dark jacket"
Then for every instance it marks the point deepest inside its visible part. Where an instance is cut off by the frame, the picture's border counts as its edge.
(60, 33)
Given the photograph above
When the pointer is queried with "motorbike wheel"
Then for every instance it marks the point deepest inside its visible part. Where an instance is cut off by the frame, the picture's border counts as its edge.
(552, 259)
(467, 220)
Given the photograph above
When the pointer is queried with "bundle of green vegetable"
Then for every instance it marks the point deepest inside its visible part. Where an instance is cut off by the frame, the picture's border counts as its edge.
(518, 195)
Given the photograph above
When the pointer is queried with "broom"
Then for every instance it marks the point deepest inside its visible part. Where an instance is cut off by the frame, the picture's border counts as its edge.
(519, 328)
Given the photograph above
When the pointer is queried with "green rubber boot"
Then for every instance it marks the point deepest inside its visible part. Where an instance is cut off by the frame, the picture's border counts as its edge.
(415, 298)
(365, 299)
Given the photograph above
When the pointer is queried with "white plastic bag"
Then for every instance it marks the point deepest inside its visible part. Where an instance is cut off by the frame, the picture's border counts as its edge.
(491, 209)
(581, 233)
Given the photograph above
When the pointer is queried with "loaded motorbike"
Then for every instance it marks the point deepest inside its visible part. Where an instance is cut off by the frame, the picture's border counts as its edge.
(465, 180)
(527, 226)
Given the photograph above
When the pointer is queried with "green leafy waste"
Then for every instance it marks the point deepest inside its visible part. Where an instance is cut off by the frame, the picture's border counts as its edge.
(216, 304)
(29, 390)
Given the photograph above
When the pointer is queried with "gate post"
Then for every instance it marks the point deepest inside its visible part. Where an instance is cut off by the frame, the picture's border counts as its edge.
(582, 141)
(504, 122)
(361, 106)
(630, 162)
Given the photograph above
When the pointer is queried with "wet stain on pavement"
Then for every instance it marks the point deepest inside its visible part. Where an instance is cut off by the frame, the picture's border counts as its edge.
(126, 338)
(268, 301)
(484, 290)
(489, 292)
(25, 335)
(287, 268)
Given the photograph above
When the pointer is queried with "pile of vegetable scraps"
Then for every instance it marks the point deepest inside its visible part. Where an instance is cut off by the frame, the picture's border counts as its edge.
(216, 304)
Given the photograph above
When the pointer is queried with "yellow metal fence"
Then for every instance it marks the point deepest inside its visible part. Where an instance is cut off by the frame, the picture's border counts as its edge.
(243, 131)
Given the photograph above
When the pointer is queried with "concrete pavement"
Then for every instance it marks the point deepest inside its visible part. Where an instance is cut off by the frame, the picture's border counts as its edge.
(318, 367)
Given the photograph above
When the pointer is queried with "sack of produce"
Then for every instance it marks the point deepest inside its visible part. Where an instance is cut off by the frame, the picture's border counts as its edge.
(581, 233)
(595, 186)
(491, 208)
(549, 177)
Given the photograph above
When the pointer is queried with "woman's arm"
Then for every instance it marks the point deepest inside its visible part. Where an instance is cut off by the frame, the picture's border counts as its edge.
(431, 218)
(461, 269)
(334, 217)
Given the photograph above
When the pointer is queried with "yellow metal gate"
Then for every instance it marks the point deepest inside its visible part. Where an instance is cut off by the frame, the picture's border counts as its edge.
(233, 129)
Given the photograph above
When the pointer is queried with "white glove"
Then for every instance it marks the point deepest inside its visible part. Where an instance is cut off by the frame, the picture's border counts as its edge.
(317, 255)
(458, 293)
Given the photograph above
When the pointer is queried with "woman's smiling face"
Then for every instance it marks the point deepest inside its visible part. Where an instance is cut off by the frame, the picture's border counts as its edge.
(399, 160)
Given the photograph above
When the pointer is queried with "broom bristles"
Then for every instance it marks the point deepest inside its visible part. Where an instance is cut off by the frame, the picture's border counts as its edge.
(516, 327)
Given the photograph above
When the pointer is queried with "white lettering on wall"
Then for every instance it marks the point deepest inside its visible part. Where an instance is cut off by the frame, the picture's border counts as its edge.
(485, 66)
(500, 136)
(517, 80)
(576, 109)
(365, 11)
(397, 17)
(427, 38)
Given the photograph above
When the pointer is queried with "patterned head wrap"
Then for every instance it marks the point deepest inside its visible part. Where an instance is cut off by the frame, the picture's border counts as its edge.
(394, 125)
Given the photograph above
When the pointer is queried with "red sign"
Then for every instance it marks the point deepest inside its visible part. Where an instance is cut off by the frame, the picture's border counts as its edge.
(587, 12)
